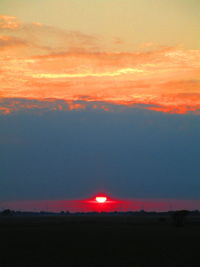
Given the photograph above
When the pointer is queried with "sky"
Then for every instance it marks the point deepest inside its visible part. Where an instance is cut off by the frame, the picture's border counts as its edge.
(100, 97)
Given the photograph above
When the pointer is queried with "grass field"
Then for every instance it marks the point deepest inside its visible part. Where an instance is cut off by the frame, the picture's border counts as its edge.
(98, 241)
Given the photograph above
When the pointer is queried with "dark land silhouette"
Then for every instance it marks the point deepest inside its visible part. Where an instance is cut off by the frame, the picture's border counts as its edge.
(99, 239)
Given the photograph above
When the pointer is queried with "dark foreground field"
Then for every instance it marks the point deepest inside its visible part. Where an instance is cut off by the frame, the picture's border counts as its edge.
(98, 241)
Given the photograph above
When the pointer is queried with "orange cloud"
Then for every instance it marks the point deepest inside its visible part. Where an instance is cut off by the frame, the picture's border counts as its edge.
(166, 79)
(8, 22)
(10, 41)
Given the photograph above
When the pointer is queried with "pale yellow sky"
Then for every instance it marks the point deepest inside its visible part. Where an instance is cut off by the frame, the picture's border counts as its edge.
(136, 22)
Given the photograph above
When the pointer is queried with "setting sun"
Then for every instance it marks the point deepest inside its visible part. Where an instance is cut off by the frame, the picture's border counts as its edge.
(101, 199)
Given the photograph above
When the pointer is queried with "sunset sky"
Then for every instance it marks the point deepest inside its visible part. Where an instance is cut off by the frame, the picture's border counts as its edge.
(99, 96)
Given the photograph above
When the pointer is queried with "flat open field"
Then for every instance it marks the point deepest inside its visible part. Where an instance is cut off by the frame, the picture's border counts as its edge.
(98, 241)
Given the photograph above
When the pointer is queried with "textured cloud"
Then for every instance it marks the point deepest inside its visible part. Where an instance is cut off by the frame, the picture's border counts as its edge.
(39, 62)
(45, 39)
(8, 22)
(11, 41)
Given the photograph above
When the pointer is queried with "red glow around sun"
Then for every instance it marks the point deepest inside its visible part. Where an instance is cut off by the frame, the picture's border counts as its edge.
(101, 199)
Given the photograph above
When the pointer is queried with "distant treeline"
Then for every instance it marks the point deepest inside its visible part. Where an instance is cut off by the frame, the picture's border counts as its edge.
(8, 212)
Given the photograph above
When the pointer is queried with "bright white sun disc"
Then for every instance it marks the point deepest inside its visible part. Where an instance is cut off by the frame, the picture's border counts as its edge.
(101, 199)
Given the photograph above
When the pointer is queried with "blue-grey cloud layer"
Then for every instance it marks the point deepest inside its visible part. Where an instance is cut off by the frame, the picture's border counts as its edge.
(72, 154)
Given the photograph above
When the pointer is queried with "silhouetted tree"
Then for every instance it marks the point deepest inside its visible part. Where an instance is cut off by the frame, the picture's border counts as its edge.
(6, 212)
(179, 217)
